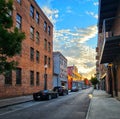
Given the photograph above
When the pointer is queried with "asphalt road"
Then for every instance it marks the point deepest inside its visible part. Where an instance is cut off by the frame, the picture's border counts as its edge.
(72, 106)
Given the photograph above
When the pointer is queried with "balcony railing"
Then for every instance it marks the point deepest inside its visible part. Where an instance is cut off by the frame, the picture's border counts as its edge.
(110, 30)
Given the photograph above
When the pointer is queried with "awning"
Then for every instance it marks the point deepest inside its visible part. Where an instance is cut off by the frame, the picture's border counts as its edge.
(111, 49)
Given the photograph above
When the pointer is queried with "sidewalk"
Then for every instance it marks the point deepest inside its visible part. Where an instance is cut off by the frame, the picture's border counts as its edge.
(103, 106)
(15, 100)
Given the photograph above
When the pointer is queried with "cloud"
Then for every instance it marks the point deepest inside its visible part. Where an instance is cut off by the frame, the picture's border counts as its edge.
(68, 10)
(76, 35)
(92, 14)
(52, 14)
(96, 3)
(72, 44)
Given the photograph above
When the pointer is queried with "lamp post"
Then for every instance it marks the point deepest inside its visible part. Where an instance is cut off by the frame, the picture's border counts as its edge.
(45, 78)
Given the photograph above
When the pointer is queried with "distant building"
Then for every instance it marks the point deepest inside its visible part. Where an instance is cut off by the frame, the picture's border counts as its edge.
(37, 51)
(74, 78)
(59, 70)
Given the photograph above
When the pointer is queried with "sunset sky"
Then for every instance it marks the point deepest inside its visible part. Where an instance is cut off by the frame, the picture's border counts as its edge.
(75, 31)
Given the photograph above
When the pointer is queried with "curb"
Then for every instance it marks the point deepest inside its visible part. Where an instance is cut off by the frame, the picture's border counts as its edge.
(14, 104)
(3, 106)
(88, 112)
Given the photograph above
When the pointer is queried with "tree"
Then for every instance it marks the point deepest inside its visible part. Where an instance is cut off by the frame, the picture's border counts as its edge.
(10, 39)
(94, 81)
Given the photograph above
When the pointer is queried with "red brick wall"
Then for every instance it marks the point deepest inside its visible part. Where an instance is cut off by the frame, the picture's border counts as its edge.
(24, 59)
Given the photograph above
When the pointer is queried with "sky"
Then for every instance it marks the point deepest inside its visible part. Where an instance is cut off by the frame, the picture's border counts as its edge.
(75, 31)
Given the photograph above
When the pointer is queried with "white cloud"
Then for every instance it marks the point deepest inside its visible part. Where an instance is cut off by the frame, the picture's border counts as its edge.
(52, 14)
(72, 44)
(92, 14)
(96, 3)
(68, 10)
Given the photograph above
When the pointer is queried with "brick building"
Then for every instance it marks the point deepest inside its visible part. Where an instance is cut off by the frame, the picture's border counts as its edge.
(108, 65)
(36, 52)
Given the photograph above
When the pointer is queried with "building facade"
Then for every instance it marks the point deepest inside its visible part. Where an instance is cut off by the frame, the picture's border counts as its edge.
(109, 45)
(74, 78)
(59, 70)
(36, 52)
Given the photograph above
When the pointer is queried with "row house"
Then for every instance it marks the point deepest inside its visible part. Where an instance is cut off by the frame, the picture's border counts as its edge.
(74, 78)
(37, 49)
(59, 70)
(108, 49)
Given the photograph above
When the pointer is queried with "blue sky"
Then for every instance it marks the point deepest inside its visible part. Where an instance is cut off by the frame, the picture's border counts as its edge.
(75, 30)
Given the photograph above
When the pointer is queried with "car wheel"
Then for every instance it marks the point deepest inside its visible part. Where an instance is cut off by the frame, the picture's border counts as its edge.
(49, 97)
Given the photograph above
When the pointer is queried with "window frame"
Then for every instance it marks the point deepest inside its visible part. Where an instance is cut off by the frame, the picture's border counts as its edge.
(45, 59)
(49, 30)
(32, 11)
(31, 54)
(8, 78)
(37, 17)
(32, 33)
(18, 21)
(37, 56)
(37, 37)
(45, 44)
(18, 76)
(45, 26)
(37, 78)
(49, 47)
(49, 62)
(32, 78)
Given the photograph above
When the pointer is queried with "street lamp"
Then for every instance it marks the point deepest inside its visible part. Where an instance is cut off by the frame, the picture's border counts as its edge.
(45, 78)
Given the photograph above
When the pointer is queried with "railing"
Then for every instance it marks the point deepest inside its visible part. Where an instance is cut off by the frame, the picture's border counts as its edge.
(114, 22)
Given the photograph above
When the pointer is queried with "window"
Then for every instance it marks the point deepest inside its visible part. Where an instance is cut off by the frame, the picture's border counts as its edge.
(45, 60)
(37, 56)
(45, 44)
(18, 21)
(45, 26)
(31, 77)
(32, 11)
(31, 32)
(18, 76)
(49, 47)
(37, 78)
(19, 1)
(37, 17)
(49, 62)
(37, 37)
(32, 54)
(49, 30)
(8, 77)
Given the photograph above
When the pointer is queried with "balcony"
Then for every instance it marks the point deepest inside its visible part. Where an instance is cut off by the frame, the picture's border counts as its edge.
(111, 49)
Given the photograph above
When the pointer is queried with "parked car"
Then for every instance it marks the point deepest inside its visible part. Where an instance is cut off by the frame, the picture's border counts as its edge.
(45, 95)
(74, 89)
(62, 90)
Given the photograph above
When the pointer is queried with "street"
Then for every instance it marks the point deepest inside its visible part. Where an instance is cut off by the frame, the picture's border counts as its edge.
(72, 106)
